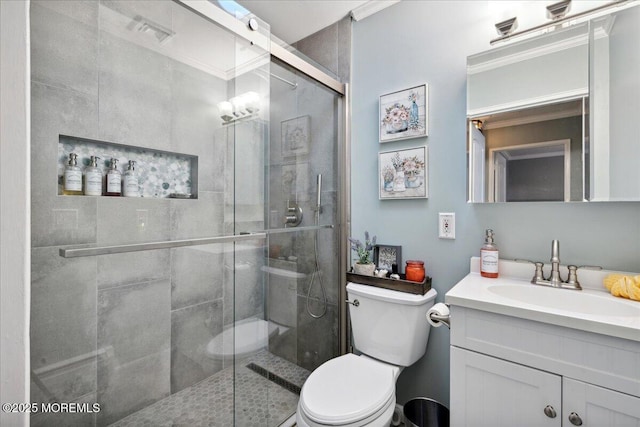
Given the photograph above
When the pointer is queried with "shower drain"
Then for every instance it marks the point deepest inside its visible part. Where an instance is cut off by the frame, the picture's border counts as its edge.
(274, 378)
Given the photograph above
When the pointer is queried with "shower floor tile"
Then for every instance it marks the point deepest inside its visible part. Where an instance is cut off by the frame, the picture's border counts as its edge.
(258, 401)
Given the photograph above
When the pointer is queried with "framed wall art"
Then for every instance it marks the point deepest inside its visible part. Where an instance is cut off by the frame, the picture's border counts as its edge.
(384, 256)
(296, 136)
(404, 114)
(403, 174)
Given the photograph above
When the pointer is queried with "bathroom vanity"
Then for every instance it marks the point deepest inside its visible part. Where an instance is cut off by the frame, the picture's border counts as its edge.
(529, 355)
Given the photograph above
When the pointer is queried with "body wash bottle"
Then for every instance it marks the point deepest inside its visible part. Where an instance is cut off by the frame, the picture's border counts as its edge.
(93, 178)
(72, 182)
(489, 256)
(130, 181)
(114, 179)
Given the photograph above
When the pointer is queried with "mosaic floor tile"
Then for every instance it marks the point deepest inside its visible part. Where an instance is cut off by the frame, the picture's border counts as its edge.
(258, 401)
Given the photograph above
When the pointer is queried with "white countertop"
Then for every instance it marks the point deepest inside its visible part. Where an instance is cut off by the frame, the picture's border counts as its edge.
(594, 309)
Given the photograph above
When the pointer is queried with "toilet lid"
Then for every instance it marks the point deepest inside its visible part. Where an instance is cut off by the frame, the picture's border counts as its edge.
(347, 389)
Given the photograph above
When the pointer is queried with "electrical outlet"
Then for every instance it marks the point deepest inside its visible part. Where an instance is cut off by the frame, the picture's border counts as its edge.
(447, 225)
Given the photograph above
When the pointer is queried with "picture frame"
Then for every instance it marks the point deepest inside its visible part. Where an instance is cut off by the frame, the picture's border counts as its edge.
(385, 255)
(404, 114)
(403, 174)
(296, 136)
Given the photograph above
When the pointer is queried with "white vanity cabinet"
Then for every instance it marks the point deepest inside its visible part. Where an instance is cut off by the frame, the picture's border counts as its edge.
(508, 371)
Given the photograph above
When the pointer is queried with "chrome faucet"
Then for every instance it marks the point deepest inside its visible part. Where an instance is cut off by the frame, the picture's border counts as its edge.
(555, 280)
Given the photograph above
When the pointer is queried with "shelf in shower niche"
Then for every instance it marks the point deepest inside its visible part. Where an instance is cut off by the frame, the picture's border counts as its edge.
(401, 285)
(161, 174)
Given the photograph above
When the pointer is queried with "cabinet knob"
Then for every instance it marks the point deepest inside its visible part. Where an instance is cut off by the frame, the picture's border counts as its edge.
(550, 412)
(575, 419)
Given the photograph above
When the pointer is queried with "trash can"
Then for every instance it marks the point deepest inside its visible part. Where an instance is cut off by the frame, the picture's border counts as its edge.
(425, 412)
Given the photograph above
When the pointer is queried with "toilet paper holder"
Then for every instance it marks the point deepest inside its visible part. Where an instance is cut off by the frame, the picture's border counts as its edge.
(436, 318)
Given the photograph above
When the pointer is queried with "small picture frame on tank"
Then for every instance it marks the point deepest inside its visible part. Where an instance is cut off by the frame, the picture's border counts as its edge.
(384, 256)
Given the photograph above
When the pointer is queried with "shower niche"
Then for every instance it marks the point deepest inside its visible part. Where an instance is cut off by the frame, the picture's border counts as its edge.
(161, 174)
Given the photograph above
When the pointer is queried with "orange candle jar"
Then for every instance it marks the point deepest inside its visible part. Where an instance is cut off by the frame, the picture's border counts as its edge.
(415, 271)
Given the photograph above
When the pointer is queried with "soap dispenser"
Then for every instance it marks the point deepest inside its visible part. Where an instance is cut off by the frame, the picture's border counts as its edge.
(114, 179)
(130, 181)
(489, 256)
(93, 178)
(72, 180)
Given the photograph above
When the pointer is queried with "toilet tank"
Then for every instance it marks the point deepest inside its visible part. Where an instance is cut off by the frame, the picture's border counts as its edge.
(390, 325)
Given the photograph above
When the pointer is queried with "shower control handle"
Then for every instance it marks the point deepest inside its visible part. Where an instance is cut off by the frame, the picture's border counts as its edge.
(293, 218)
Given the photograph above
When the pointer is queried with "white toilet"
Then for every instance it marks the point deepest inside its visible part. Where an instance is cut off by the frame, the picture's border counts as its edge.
(390, 329)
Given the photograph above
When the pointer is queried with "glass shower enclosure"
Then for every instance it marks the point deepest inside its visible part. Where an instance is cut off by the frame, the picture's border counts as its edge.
(209, 298)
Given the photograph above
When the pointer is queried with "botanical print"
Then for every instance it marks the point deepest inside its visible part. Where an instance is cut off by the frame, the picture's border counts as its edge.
(295, 181)
(403, 174)
(387, 255)
(404, 114)
(295, 136)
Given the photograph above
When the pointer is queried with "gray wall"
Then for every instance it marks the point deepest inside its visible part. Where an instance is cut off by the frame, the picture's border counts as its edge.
(414, 42)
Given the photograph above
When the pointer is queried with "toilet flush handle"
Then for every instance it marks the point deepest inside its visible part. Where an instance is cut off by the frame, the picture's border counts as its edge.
(355, 302)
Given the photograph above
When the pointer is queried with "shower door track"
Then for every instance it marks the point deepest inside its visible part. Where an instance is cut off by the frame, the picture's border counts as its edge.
(168, 244)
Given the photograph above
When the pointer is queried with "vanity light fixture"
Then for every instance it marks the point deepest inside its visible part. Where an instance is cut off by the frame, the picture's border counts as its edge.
(239, 107)
(558, 10)
(506, 27)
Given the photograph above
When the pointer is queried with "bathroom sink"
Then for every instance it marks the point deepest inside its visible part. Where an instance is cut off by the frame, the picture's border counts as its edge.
(584, 302)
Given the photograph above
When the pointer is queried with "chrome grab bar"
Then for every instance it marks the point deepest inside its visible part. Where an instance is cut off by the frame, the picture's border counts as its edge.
(76, 252)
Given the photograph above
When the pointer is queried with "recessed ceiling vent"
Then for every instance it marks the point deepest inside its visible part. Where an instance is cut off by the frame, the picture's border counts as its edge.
(143, 25)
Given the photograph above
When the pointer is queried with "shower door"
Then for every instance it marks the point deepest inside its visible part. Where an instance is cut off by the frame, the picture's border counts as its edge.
(207, 300)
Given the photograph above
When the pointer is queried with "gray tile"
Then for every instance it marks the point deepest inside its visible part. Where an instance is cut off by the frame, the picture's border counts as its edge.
(196, 275)
(64, 45)
(156, 11)
(322, 47)
(244, 291)
(134, 321)
(344, 49)
(127, 387)
(133, 267)
(56, 111)
(197, 218)
(135, 94)
(66, 382)
(192, 329)
(57, 220)
(194, 122)
(62, 220)
(68, 419)
(317, 338)
(129, 219)
(282, 292)
(63, 308)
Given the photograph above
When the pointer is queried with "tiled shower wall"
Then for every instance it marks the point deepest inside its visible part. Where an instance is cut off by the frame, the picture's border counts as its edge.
(126, 330)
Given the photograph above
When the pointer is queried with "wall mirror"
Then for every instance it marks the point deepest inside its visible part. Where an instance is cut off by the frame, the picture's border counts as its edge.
(550, 118)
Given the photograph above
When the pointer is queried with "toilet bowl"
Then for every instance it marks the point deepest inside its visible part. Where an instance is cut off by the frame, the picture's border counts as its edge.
(391, 330)
(362, 391)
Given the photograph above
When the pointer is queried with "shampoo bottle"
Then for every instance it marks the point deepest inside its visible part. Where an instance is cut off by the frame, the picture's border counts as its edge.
(72, 182)
(93, 178)
(130, 181)
(489, 256)
(114, 179)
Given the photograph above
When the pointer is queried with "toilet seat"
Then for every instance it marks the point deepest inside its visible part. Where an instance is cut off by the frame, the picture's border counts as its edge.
(348, 390)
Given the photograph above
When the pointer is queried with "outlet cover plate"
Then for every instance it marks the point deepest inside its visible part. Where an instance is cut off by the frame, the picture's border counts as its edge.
(447, 225)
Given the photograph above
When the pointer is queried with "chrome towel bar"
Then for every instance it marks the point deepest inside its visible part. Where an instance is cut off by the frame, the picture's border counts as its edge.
(75, 252)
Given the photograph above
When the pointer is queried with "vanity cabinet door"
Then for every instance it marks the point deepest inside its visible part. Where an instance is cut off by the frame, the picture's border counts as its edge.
(486, 391)
(596, 406)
